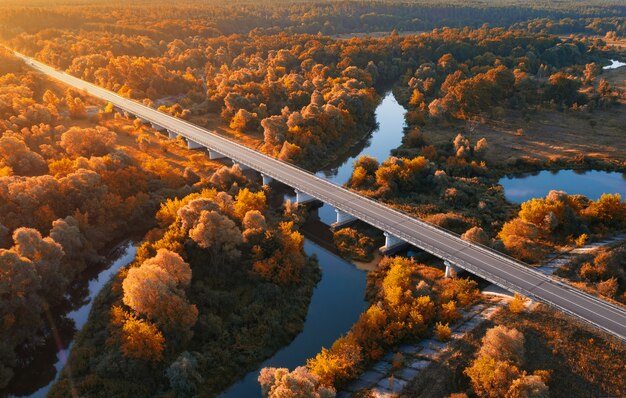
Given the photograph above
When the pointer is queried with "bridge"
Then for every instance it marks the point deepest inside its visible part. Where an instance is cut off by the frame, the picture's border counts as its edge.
(398, 227)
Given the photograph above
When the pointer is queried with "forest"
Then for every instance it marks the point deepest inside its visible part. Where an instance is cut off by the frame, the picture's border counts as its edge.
(220, 281)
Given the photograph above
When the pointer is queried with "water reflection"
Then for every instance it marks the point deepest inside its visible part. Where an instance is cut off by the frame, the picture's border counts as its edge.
(615, 64)
(387, 137)
(592, 184)
(36, 379)
(336, 304)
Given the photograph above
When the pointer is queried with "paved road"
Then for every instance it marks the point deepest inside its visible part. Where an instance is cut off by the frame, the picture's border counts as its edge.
(484, 262)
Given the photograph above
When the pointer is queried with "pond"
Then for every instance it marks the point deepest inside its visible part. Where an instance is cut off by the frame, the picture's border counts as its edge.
(37, 380)
(337, 302)
(592, 184)
(615, 64)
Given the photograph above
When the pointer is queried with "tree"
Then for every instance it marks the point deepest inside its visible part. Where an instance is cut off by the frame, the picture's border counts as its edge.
(254, 226)
(516, 305)
(15, 154)
(528, 386)
(503, 344)
(88, 142)
(476, 235)
(491, 378)
(247, 200)
(244, 121)
(76, 107)
(337, 365)
(217, 233)
(301, 383)
(142, 340)
(156, 289)
(183, 375)
(46, 256)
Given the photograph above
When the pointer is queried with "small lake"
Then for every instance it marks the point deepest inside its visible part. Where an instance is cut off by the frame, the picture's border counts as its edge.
(592, 184)
(615, 64)
(337, 302)
(53, 359)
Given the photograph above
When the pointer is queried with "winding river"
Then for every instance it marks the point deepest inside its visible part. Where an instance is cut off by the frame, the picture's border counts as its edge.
(338, 299)
(37, 380)
(336, 304)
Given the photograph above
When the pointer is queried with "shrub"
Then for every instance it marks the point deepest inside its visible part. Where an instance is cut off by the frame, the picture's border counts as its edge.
(443, 331)
(516, 305)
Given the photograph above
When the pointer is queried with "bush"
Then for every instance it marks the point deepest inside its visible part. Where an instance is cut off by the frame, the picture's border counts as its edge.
(443, 331)
(516, 305)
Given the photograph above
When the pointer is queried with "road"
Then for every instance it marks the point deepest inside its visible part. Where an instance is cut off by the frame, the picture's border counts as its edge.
(479, 260)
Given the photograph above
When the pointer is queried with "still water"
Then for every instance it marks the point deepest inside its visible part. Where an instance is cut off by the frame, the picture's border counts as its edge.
(338, 299)
(385, 138)
(37, 386)
(337, 302)
(592, 184)
(615, 64)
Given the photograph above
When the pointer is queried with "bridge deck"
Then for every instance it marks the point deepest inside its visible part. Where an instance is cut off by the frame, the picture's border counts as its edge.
(484, 262)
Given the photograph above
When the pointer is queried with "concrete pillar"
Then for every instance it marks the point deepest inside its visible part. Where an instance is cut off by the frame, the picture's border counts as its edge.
(302, 197)
(213, 155)
(343, 218)
(142, 120)
(392, 243)
(127, 114)
(193, 145)
(451, 269)
(157, 127)
(266, 180)
(242, 166)
(172, 135)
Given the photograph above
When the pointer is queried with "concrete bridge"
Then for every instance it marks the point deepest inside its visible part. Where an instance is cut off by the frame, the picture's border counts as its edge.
(398, 227)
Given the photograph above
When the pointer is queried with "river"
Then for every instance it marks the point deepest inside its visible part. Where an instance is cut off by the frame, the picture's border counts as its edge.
(592, 184)
(337, 301)
(35, 381)
(385, 138)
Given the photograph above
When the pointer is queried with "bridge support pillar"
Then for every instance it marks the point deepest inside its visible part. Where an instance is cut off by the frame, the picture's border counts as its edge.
(213, 155)
(392, 244)
(157, 127)
(451, 269)
(193, 145)
(171, 135)
(142, 120)
(343, 218)
(266, 180)
(302, 197)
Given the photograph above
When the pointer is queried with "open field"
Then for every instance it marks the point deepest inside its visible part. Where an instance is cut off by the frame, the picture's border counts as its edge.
(582, 363)
(551, 135)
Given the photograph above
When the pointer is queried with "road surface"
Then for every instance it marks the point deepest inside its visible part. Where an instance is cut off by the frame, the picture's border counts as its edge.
(482, 261)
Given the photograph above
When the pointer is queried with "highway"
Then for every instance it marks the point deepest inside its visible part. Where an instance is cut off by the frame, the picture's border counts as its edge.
(493, 266)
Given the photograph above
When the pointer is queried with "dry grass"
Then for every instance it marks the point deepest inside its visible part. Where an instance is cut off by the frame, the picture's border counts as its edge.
(583, 362)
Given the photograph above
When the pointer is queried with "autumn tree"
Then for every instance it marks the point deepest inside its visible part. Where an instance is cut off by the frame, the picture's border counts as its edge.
(528, 386)
(142, 340)
(156, 289)
(87, 142)
(217, 233)
(301, 383)
(338, 364)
